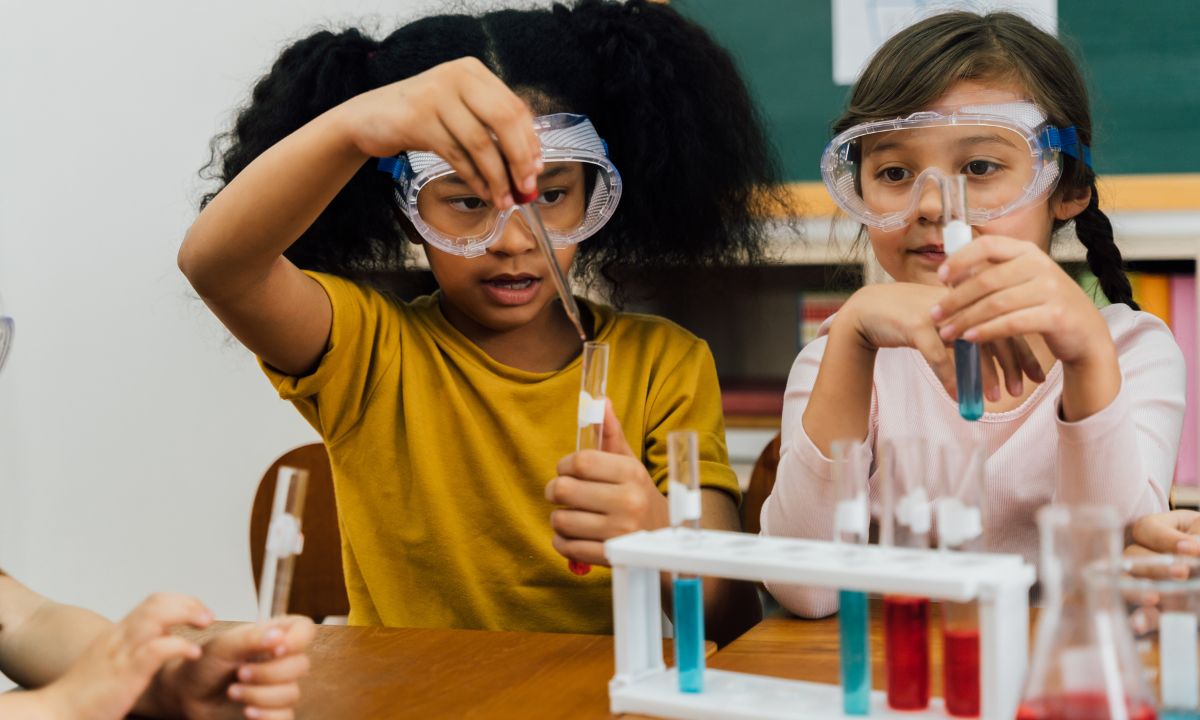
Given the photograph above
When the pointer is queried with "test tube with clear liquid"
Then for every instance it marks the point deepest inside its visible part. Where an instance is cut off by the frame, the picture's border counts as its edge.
(284, 542)
(592, 399)
(852, 521)
(683, 498)
(956, 233)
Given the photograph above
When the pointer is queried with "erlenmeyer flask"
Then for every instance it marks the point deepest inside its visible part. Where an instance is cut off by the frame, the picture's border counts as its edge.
(1084, 666)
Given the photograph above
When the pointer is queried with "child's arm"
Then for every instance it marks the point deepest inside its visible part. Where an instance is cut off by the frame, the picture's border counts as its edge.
(610, 493)
(232, 254)
(1121, 409)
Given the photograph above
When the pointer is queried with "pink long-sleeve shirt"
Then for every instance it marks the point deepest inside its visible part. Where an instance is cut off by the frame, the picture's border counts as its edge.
(1123, 455)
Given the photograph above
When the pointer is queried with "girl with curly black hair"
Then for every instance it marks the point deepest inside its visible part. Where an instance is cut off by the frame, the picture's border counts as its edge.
(445, 417)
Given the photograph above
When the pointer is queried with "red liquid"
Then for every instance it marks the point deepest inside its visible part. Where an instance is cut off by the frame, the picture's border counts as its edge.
(579, 568)
(962, 672)
(1077, 706)
(906, 633)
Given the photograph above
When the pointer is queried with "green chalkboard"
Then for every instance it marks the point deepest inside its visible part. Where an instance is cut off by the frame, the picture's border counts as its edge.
(1141, 58)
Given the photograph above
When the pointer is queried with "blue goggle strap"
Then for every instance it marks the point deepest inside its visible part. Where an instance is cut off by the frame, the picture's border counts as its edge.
(1066, 140)
(397, 166)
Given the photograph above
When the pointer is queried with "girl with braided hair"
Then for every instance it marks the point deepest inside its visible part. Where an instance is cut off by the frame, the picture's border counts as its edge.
(450, 419)
(1081, 405)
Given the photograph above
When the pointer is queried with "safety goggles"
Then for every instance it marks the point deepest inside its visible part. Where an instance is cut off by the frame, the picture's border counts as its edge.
(578, 191)
(877, 171)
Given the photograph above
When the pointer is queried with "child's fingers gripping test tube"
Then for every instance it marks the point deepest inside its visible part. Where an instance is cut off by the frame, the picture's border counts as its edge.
(592, 398)
(956, 233)
(284, 542)
(683, 496)
(852, 521)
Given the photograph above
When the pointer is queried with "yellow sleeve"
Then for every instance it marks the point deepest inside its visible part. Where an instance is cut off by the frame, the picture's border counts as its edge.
(363, 346)
(689, 398)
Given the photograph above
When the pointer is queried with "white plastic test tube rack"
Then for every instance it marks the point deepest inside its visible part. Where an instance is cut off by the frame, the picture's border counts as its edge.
(643, 684)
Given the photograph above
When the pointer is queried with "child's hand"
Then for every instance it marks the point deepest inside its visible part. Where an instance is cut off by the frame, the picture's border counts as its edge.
(603, 494)
(1169, 533)
(892, 315)
(106, 681)
(250, 671)
(464, 113)
(1004, 288)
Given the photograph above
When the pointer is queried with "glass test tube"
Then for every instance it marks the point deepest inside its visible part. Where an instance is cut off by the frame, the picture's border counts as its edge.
(683, 497)
(284, 542)
(956, 233)
(959, 517)
(906, 618)
(851, 526)
(592, 397)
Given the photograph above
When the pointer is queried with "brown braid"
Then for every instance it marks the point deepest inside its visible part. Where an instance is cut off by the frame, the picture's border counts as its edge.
(1103, 257)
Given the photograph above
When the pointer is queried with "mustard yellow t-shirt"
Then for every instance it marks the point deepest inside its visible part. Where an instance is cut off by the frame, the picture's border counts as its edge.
(441, 455)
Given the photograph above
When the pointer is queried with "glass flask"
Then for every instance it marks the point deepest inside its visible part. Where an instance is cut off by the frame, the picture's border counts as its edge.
(1084, 666)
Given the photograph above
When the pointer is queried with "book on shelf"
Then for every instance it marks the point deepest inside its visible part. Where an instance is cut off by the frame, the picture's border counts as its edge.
(752, 403)
(1183, 325)
(814, 309)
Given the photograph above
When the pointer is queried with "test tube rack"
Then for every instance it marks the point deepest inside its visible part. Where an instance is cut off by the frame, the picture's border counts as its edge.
(643, 684)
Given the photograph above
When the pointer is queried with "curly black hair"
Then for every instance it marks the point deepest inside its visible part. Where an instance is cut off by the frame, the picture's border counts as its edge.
(700, 175)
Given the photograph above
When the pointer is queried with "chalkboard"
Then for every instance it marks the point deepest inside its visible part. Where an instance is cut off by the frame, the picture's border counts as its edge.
(1141, 58)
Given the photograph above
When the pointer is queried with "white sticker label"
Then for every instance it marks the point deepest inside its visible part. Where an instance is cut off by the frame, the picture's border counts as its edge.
(913, 511)
(955, 236)
(850, 518)
(591, 410)
(683, 503)
(957, 523)
(1177, 661)
(283, 536)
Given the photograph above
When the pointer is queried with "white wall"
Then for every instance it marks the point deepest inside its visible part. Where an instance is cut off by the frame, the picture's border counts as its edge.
(133, 430)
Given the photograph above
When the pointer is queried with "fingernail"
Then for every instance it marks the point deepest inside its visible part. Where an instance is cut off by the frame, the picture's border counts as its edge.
(993, 393)
(943, 272)
(194, 652)
(235, 692)
(530, 184)
(1016, 388)
(253, 712)
(1188, 547)
(971, 335)
(947, 332)
(246, 674)
(280, 650)
(272, 635)
(506, 202)
(539, 164)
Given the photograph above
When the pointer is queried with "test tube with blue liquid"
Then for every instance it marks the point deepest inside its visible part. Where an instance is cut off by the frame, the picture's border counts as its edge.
(956, 233)
(851, 526)
(683, 498)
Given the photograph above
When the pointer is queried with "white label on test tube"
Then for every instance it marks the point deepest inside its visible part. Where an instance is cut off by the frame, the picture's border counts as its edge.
(957, 523)
(850, 517)
(913, 511)
(955, 236)
(682, 503)
(1177, 661)
(591, 410)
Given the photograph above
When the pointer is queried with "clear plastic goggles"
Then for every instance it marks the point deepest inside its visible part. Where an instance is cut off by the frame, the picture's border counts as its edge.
(877, 171)
(6, 335)
(578, 191)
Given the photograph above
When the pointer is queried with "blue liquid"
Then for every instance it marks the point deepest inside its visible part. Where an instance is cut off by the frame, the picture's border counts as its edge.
(689, 634)
(855, 638)
(970, 380)
(1184, 714)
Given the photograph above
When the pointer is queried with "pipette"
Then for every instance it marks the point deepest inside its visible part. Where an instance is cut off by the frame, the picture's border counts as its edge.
(683, 499)
(284, 543)
(533, 218)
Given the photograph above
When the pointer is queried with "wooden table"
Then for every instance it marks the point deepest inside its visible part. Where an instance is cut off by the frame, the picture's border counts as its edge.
(384, 673)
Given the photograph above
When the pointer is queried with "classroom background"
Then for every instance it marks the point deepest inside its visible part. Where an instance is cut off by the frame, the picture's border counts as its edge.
(133, 430)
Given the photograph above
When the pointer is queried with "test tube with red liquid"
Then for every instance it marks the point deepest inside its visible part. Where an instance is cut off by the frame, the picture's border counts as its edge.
(592, 400)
